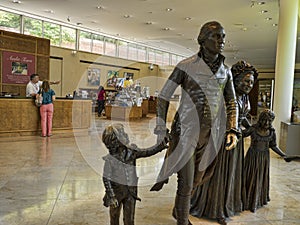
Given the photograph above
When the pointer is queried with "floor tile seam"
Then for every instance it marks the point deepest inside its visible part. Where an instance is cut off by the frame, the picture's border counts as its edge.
(58, 193)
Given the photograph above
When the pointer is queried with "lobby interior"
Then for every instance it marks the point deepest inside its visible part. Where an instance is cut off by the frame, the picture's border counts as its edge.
(57, 180)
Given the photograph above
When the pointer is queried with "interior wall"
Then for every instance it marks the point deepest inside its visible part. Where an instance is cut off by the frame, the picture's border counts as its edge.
(74, 66)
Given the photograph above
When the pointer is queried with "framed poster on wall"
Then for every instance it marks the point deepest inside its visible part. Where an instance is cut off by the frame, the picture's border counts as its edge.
(93, 76)
(112, 78)
(17, 67)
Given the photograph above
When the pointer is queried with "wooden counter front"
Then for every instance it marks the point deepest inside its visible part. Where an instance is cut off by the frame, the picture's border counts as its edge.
(123, 113)
(21, 117)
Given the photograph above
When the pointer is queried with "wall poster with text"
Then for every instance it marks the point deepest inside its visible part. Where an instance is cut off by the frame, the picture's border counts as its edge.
(17, 67)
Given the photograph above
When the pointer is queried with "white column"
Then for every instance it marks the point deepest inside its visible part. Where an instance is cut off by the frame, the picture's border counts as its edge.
(285, 61)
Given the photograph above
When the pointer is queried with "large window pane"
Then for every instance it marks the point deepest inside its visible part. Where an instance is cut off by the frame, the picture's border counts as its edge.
(33, 27)
(52, 32)
(85, 41)
(158, 57)
(174, 60)
(141, 53)
(123, 49)
(166, 59)
(132, 52)
(68, 37)
(110, 47)
(98, 44)
(10, 22)
(151, 55)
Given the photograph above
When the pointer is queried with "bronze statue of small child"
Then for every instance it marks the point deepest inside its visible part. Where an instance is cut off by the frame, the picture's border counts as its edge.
(119, 173)
(257, 161)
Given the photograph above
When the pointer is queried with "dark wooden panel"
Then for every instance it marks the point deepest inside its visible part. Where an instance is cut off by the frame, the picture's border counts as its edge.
(17, 44)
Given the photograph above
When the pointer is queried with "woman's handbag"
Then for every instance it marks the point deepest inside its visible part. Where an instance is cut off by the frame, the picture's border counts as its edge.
(39, 100)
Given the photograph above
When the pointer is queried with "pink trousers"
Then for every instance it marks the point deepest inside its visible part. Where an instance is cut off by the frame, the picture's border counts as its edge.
(46, 112)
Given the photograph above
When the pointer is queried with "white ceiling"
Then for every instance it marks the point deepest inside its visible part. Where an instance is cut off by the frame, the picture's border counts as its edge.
(249, 36)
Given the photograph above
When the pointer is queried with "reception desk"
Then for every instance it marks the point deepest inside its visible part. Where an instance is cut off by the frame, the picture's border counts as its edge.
(20, 117)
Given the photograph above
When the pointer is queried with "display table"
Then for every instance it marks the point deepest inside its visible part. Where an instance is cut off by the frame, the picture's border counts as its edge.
(123, 113)
(21, 117)
(289, 141)
(145, 107)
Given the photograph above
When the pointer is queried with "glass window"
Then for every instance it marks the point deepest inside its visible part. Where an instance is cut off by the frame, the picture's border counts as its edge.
(174, 60)
(33, 27)
(158, 57)
(110, 46)
(123, 49)
(68, 37)
(10, 21)
(52, 32)
(166, 59)
(151, 55)
(141, 53)
(98, 44)
(132, 52)
(85, 41)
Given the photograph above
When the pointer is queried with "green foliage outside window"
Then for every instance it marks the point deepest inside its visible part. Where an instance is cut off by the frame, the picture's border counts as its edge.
(10, 21)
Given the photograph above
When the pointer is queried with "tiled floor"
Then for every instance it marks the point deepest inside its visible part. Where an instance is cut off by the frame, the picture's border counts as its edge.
(57, 181)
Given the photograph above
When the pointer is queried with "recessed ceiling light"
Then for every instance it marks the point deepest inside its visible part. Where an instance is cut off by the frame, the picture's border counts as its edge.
(169, 9)
(166, 28)
(16, 1)
(238, 24)
(244, 29)
(49, 11)
(268, 18)
(188, 18)
(261, 3)
(149, 23)
(127, 16)
(264, 11)
(99, 7)
(274, 24)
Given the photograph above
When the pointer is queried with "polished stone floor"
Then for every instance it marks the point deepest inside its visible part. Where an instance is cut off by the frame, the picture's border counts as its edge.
(57, 181)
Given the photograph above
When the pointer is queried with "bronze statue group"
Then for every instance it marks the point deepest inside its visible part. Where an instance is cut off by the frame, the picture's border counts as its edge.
(205, 144)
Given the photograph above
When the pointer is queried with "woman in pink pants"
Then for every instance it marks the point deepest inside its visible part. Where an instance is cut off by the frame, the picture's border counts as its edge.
(46, 109)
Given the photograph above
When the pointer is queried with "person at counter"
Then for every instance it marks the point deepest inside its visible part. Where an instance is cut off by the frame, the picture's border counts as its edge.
(34, 85)
(46, 109)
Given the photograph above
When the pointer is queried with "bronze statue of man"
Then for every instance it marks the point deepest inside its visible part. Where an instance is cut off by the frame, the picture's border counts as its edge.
(207, 111)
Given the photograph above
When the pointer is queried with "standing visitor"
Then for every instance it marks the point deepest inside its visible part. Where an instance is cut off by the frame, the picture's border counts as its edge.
(46, 109)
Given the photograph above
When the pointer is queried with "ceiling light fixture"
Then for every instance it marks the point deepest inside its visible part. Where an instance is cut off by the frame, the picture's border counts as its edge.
(127, 16)
(188, 18)
(68, 19)
(264, 11)
(261, 3)
(49, 11)
(274, 24)
(166, 28)
(169, 9)
(149, 23)
(16, 1)
(268, 18)
(78, 24)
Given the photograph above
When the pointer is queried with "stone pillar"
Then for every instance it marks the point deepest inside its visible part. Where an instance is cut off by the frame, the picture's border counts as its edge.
(285, 61)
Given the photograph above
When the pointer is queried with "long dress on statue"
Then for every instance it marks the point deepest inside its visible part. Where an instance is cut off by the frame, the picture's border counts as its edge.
(221, 195)
(257, 164)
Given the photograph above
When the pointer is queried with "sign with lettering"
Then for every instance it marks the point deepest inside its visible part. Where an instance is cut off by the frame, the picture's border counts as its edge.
(17, 67)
